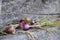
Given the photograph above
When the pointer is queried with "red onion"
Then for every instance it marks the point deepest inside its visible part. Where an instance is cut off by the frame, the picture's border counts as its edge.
(26, 26)
(22, 22)
(10, 29)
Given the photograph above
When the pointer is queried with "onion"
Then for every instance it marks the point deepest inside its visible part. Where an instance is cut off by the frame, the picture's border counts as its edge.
(22, 22)
(26, 27)
(27, 19)
(10, 29)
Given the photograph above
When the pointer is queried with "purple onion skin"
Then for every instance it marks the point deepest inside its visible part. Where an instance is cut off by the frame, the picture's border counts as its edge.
(24, 25)
(22, 22)
(9, 30)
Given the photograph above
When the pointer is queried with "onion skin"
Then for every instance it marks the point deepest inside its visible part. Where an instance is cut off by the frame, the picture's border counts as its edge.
(21, 22)
(27, 19)
(25, 23)
(10, 30)
(26, 27)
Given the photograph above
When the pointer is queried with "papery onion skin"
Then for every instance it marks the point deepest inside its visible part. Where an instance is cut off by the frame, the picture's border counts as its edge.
(27, 19)
(22, 22)
(26, 27)
(9, 29)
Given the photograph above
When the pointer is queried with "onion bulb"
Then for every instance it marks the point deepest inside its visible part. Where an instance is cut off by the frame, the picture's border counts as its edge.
(27, 19)
(26, 27)
(10, 29)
